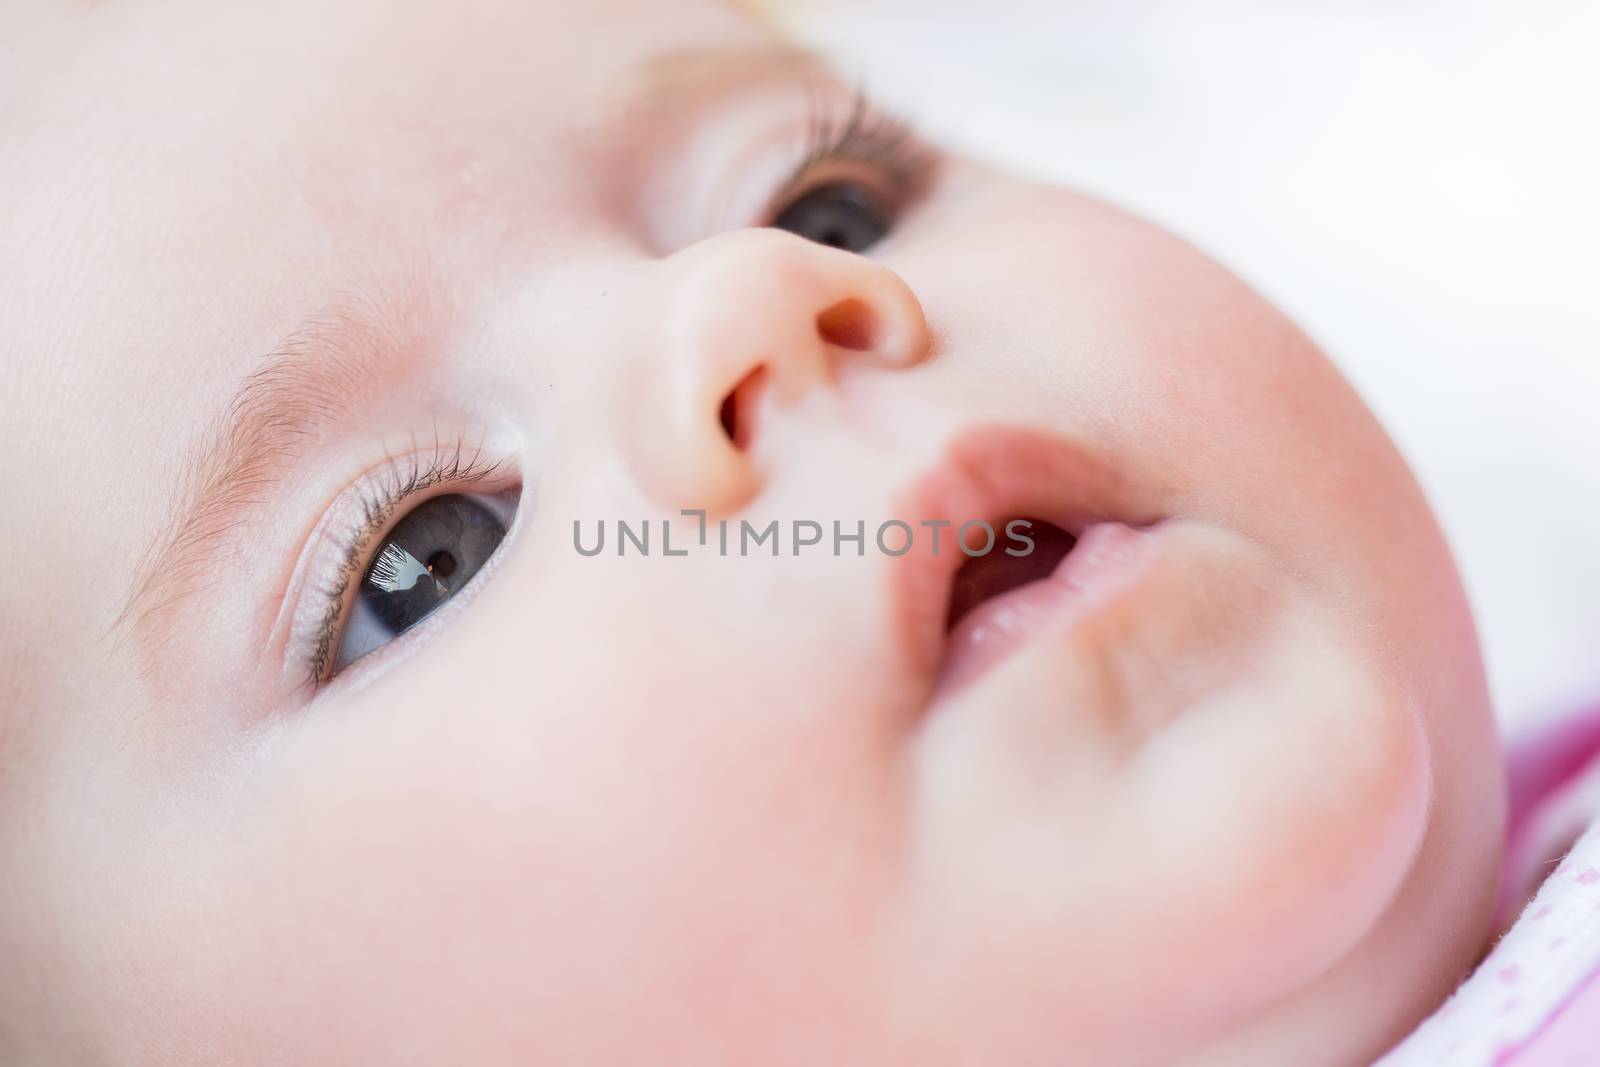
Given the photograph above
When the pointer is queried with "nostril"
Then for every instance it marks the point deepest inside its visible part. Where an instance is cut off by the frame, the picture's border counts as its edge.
(849, 324)
(738, 408)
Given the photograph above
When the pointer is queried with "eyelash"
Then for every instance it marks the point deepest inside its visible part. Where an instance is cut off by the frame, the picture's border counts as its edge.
(393, 484)
(867, 135)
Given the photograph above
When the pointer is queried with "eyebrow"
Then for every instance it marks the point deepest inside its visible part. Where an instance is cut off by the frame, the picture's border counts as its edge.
(312, 380)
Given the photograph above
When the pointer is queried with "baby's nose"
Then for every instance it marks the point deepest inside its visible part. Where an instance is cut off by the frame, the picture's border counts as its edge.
(749, 320)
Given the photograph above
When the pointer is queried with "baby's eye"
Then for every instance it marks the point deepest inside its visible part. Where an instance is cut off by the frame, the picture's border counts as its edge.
(423, 561)
(840, 214)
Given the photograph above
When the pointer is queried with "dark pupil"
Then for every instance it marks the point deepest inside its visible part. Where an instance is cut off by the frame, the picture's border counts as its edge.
(430, 554)
(840, 215)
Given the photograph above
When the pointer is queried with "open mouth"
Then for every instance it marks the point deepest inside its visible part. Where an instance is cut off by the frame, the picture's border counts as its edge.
(1067, 534)
(985, 578)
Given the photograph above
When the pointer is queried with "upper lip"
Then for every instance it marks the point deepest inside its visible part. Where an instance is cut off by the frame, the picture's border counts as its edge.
(995, 474)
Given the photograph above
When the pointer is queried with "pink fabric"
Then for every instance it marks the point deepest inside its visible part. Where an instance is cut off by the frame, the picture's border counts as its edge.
(1535, 1000)
(1572, 1038)
(1549, 806)
(1536, 766)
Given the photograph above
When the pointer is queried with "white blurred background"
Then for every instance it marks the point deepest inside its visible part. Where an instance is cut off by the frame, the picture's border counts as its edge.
(1414, 181)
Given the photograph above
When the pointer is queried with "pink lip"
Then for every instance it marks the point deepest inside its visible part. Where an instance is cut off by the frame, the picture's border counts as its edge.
(1000, 474)
(1105, 560)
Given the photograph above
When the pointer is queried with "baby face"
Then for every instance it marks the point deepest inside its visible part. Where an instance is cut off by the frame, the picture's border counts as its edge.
(335, 338)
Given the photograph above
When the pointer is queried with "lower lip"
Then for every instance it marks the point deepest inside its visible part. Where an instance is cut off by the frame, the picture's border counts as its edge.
(1104, 564)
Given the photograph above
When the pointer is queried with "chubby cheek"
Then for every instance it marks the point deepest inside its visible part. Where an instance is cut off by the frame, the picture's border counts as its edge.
(1255, 836)
(496, 859)
(1283, 816)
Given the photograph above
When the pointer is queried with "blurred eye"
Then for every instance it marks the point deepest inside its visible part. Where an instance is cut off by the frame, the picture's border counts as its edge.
(839, 214)
(423, 561)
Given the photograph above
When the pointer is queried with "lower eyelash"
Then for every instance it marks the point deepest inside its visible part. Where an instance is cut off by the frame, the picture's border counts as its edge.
(392, 484)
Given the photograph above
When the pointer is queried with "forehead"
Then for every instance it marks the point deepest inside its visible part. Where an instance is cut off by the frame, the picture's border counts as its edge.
(199, 117)
(185, 93)
(155, 137)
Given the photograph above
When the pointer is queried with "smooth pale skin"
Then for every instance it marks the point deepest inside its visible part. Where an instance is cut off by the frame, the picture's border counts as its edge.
(692, 810)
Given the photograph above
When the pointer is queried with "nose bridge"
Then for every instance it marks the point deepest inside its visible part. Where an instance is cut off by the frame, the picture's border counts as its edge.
(754, 313)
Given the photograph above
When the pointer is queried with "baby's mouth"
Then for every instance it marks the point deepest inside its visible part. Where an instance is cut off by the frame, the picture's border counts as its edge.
(1068, 532)
(988, 577)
